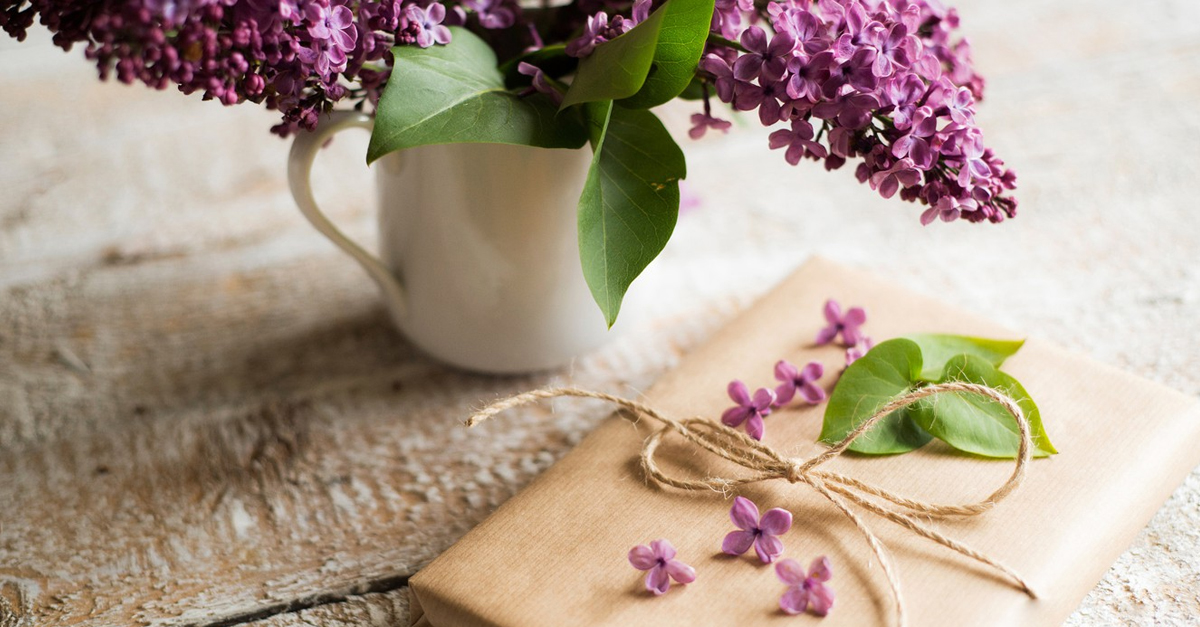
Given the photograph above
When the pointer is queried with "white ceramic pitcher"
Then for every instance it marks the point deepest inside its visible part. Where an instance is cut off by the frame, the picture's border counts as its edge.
(480, 254)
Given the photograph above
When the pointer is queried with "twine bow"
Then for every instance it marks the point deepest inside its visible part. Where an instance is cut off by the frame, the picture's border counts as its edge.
(766, 464)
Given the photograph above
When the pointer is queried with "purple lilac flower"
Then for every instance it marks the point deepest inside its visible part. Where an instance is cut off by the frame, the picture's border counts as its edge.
(298, 57)
(324, 57)
(902, 173)
(848, 325)
(806, 590)
(800, 23)
(893, 50)
(748, 410)
(722, 75)
(974, 163)
(428, 24)
(768, 100)
(798, 381)
(766, 59)
(856, 71)
(946, 207)
(799, 142)
(641, 11)
(597, 31)
(854, 353)
(922, 127)
(959, 107)
(331, 22)
(540, 84)
(728, 16)
(882, 80)
(850, 110)
(763, 534)
(600, 29)
(808, 74)
(659, 559)
(701, 122)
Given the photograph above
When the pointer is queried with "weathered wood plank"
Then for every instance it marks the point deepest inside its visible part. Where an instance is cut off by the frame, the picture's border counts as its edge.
(222, 481)
(386, 609)
(204, 413)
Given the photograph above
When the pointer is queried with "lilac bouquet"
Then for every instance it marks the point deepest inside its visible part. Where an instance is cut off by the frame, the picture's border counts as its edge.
(886, 84)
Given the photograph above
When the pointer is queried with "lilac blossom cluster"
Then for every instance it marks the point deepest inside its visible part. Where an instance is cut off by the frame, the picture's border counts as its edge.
(878, 80)
(297, 56)
(599, 29)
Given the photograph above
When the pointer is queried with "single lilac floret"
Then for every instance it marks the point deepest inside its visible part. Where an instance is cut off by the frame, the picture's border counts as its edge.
(748, 410)
(808, 74)
(806, 590)
(902, 174)
(766, 58)
(848, 325)
(894, 48)
(856, 352)
(659, 559)
(701, 122)
(798, 381)
(724, 81)
(332, 22)
(799, 142)
(761, 533)
(641, 11)
(961, 106)
(540, 83)
(428, 24)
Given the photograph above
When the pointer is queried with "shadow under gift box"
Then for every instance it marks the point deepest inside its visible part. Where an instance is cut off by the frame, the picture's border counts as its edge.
(555, 554)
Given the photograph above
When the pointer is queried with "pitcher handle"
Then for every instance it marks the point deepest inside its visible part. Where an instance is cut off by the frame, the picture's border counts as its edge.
(300, 162)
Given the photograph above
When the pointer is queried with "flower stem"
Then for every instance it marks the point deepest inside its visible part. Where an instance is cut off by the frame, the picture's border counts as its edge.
(717, 40)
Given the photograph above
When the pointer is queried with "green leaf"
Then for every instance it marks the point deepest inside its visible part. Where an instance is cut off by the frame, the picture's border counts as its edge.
(454, 94)
(650, 64)
(629, 202)
(977, 424)
(938, 349)
(616, 69)
(887, 371)
(681, 41)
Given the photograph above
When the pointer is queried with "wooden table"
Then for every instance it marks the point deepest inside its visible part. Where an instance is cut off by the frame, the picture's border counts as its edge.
(205, 418)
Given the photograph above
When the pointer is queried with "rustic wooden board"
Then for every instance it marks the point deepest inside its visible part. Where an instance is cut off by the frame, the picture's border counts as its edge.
(387, 609)
(206, 419)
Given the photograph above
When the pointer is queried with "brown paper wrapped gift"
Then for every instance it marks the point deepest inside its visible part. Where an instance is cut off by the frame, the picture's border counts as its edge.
(555, 554)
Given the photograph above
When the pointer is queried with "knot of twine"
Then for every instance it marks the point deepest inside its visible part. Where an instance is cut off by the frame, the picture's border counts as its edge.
(766, 464)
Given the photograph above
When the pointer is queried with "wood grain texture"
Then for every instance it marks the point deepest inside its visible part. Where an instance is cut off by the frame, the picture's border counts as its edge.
(386, 609)
(205, 416)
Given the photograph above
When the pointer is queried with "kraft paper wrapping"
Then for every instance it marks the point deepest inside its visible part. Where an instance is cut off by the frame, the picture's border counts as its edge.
(555, 554)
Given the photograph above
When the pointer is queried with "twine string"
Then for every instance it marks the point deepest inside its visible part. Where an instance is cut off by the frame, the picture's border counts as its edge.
(766, 463)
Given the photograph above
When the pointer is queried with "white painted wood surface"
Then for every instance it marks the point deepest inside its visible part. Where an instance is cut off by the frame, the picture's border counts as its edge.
(205, 418)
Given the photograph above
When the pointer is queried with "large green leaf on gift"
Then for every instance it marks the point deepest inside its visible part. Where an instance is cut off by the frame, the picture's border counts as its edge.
(938, 349)
(891, 369)
(630, 200)
(650, 64)
(976, 424)
(454, 94)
